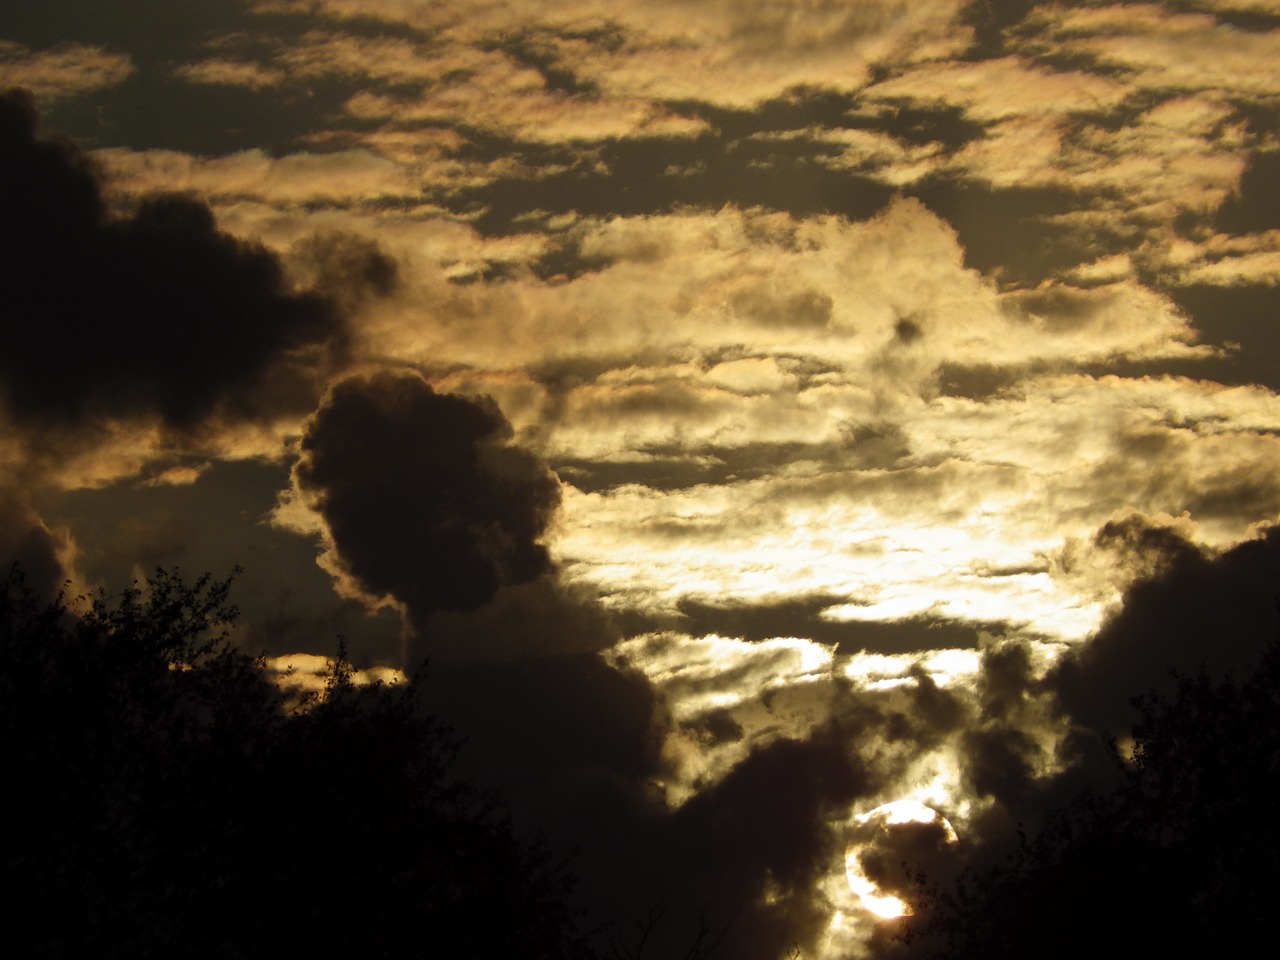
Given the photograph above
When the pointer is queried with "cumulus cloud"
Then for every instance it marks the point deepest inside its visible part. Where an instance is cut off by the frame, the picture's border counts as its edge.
(399, 471)
(423, 497)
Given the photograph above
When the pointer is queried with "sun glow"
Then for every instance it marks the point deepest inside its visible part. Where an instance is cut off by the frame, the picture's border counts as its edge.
(652, 552)
(875, 826)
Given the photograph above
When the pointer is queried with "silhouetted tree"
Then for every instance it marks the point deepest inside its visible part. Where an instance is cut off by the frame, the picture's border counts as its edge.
(166, 802)
(1182, 858)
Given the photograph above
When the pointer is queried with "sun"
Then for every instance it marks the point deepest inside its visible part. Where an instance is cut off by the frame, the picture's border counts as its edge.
(880, 843)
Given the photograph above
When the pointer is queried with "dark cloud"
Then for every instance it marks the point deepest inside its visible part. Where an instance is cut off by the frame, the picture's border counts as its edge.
(893, 855)
(933, 711)
(999, 762)
(907, 331)
(155, 313)
(735, 865)
(1145, 548)
(747, 851)
(425, 498)
(535, 618)
(428, 502)
(552, 731)
(348, 269)
(1005, 678)
(1203, 611)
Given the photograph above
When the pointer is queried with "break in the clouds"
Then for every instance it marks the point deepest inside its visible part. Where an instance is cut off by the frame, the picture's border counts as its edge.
(879, 394)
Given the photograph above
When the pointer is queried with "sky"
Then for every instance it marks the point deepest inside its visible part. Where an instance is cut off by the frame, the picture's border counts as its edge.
(753, 414)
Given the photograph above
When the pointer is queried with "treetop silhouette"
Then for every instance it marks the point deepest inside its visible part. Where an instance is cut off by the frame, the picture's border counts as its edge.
(169, 804)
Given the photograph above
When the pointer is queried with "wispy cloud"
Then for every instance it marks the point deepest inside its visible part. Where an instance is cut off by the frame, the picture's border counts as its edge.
(63, 71)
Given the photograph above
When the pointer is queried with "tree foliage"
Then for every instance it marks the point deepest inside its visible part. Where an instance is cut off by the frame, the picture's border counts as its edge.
(169, 803)
(1183, 857)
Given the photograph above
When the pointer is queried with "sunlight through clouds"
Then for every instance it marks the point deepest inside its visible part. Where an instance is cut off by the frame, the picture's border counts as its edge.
(780, 427)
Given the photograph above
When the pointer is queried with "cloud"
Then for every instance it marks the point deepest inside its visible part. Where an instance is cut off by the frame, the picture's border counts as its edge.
(1158, 49)
(992, 90)
(62, 72)
(1215, 612)
(736, 52)
(231, 73)
(767, 424)
(1036, 736)
(423, 497)
(578, 745)
(346, 178)
(759, 287)
(154, 314)
(753, 847)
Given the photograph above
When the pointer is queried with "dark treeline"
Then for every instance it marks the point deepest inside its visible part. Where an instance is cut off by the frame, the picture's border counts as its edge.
(168, 800)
